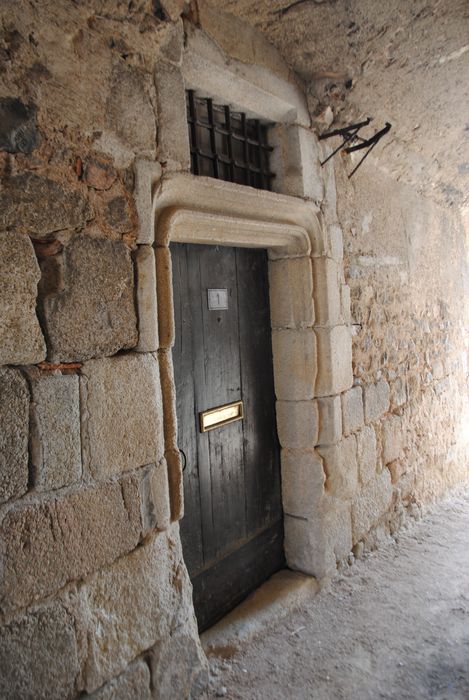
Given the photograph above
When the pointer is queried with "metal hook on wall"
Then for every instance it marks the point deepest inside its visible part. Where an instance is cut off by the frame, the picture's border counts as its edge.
(349, 135)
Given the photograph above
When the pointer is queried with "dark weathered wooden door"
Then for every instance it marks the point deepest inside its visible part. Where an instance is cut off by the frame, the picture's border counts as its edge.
(232, 530)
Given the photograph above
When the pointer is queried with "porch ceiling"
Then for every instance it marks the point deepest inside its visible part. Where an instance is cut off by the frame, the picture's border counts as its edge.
(408, 63)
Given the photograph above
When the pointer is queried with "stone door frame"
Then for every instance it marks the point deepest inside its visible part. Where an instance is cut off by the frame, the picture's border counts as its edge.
(311, 341)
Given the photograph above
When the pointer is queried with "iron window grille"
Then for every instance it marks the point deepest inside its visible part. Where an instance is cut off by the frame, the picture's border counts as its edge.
(227, 145)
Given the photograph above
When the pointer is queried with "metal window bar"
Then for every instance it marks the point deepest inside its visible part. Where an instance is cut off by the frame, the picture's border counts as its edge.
(192, 132)
(259, 138)
(229, 142)
(227, 145)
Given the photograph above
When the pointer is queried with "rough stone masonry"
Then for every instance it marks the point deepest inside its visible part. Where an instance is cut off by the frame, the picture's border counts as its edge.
(95, 600)
(94, 595)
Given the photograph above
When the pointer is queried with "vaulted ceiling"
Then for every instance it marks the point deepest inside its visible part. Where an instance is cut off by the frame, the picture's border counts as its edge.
(402, 61)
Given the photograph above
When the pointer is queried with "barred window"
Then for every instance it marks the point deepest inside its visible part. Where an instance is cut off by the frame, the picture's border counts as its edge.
(228, 145)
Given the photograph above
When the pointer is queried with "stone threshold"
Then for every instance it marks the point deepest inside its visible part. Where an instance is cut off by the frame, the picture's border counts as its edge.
(275, 599)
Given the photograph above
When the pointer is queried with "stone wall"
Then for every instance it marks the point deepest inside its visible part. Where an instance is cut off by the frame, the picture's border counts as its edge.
(407, 268)
(94, 595)
(391, 418)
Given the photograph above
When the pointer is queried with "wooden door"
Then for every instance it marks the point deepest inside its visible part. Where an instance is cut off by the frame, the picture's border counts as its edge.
(232, 530)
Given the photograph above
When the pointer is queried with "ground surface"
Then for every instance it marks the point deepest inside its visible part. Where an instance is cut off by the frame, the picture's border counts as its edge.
(393, 625)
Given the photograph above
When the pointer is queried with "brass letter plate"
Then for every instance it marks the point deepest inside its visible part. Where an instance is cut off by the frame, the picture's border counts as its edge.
(221, 415)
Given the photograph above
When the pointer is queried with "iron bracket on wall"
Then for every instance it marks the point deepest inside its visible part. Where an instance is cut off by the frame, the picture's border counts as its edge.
(349, 135)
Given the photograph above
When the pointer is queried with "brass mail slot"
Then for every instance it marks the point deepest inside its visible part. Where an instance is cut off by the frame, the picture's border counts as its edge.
(221, 415)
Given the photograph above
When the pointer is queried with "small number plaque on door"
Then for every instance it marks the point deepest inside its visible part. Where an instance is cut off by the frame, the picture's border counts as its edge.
(221, 415)
(217, 299)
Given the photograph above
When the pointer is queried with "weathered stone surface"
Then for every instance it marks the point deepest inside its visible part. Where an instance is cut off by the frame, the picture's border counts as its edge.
(352, 410)
(173, 136)
(18, 129)
(315, 545)
(327, 292)
(294, 354)
(111, 145)
(174, 40)
(49, 543)
(122, 419)
(94, 313)
(345, 303)
(438, 369)
(21, 340)
(55, 431)
(147, 175)
(367, 454)
(393, 438)
(240, 40)
(14, 422)
(138, 601)
(376, 400)
(370, 505)
(302, 482)
(398, 392)
(304, 547)
(337, 525)
(297, 423)
(130, 95)
(99, 174)
(311, 179)
(39, 658)
(291, 293)
(172, 8)
(35, 204)
(147, 310)
(340, 466)
(335, 242)
(168, 388)
(329, 203)
(51, 261)
(295, 162)
(164, 277)
(334, 360)
(397, 470)
(179, 667)
(154, 498)
(172, 454)
(330, 420)
(117, 214)
(176, 483)
(133, 684)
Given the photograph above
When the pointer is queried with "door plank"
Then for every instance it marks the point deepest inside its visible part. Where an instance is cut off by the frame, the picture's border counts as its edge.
(261, 448)
(196, 309)
(183, 355)
(223, 385)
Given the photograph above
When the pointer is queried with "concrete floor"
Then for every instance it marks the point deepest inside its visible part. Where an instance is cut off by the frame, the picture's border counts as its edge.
(393, 625)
